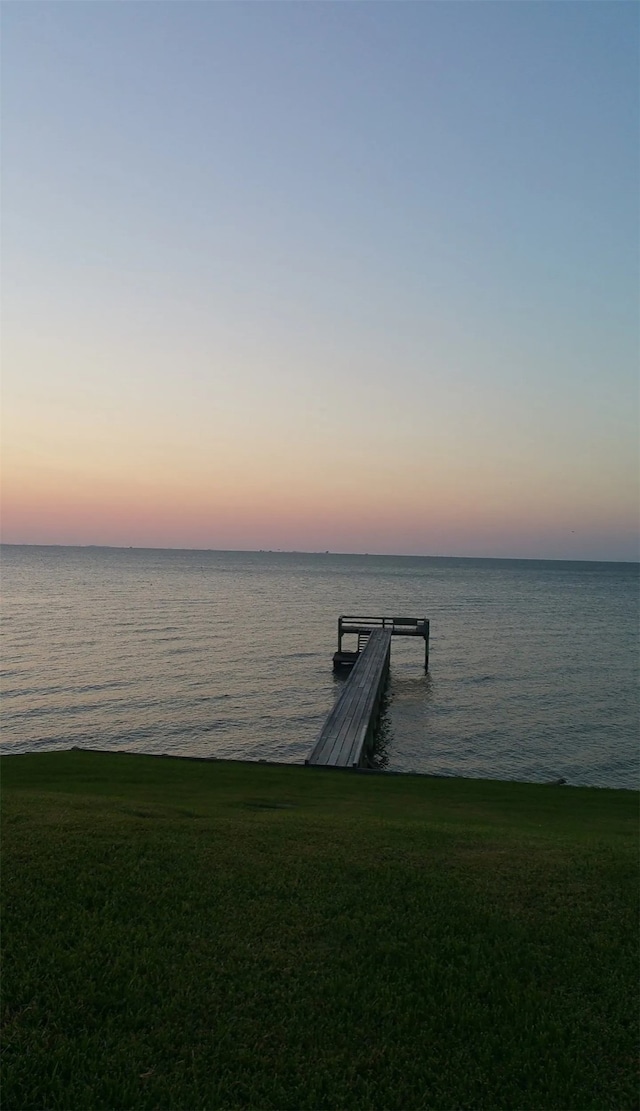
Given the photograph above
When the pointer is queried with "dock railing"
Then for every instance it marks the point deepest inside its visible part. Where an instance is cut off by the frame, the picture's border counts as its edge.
(351, 624)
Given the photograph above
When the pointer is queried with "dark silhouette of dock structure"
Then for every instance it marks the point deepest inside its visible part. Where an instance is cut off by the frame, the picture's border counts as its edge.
(347, 734)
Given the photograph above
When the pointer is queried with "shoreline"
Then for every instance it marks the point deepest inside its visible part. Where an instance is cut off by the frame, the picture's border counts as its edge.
(358, 771)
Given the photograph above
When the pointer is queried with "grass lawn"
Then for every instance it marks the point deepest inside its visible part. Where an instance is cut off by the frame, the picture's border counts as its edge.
(221, 935)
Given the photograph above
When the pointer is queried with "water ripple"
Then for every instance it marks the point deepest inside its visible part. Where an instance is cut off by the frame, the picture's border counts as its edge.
(111, 648)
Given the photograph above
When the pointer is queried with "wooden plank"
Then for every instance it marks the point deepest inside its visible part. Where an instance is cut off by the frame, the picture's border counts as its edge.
(358, 708)
(370, 709)
(355, 712)
(346, 706)
(340, 721)
(344, 733)
(340, 725)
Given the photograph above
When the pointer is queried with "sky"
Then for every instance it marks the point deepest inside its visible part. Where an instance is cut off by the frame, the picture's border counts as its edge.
(358, 277)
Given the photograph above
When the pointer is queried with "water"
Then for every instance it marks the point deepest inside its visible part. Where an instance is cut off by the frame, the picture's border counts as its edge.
(533, 665)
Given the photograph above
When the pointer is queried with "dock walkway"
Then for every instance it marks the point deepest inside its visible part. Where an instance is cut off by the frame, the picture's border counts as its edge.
(349, 727)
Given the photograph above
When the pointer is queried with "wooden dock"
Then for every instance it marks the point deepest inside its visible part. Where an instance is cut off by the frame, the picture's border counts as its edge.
(361, 628)
(349, 728)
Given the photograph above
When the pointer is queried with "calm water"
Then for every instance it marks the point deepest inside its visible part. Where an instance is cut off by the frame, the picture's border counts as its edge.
(533, 666)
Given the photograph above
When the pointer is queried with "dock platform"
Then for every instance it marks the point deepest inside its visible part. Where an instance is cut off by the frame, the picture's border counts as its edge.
(349, 728)
(361, 628)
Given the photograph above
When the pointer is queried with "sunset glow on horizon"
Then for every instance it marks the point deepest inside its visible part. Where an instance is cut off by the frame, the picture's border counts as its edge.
(358, 278)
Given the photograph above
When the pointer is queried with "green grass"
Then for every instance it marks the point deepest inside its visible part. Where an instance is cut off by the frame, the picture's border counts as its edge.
(217, 935)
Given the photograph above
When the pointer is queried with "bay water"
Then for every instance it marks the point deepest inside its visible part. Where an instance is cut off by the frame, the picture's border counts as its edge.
(533, 664)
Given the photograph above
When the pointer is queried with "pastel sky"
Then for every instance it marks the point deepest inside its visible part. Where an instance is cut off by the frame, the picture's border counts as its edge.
(346, 276)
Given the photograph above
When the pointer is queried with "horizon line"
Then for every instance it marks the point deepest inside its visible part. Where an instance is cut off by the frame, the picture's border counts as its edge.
(302, 551)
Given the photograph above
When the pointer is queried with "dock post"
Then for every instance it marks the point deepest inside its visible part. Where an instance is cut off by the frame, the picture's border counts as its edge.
(426, 645)
(339, 634)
